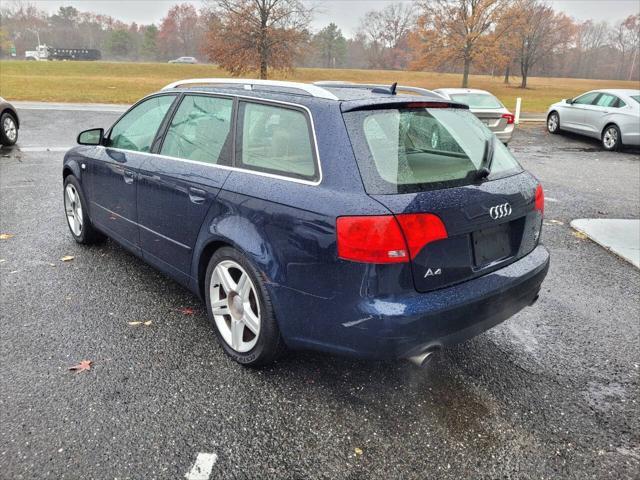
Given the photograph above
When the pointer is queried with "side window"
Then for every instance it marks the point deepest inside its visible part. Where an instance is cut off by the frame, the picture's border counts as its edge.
(275, 140)
(200, 130)
(607, 100)
(620, 103)
(137, 129)
(587, 98)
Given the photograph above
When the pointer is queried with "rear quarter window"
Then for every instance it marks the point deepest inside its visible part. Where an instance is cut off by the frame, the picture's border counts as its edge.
(276, 139)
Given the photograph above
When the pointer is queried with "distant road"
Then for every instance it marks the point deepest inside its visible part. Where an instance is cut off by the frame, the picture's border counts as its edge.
(70, 107)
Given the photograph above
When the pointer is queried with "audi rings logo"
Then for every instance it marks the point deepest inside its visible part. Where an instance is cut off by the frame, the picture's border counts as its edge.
(500, 211)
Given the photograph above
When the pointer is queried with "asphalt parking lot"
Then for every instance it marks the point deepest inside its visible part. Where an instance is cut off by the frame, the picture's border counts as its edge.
(551, 393)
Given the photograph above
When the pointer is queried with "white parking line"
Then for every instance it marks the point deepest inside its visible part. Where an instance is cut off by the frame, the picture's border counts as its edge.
(201, 470)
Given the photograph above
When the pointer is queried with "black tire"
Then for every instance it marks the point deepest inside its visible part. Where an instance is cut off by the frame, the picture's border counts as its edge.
(88, 235)
(611, 138)
(7, 121)
(269, 345)
(553, 123)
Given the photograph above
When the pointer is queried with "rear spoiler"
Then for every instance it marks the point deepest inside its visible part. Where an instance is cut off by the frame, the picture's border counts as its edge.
(399, 102)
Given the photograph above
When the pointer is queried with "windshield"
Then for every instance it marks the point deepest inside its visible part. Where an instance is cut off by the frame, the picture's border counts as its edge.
(410, 150)
(636, 98)
(477, 100)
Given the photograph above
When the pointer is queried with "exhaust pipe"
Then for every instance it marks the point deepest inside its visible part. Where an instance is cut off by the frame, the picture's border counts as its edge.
(421, 360)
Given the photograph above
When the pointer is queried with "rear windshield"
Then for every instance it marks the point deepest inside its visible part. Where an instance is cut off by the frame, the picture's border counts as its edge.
(411, 150)
(636, 98)
(477, 100)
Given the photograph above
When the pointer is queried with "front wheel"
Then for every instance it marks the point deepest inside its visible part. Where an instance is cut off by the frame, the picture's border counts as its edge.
(240, 309)
(76, 213)
(553, 122)
(8, 129)
(611, 138)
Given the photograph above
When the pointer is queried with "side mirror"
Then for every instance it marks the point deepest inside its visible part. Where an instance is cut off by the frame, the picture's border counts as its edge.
(95, 136)
(569, 101)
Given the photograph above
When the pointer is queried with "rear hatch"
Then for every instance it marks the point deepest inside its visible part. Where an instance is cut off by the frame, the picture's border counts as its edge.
(425, 161)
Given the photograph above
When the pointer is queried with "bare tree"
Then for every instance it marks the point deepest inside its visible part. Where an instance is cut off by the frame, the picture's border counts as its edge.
(386, 31)
(542, 31)
(257, 34)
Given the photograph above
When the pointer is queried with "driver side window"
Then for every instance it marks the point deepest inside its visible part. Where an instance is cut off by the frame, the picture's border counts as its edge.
(137, 129)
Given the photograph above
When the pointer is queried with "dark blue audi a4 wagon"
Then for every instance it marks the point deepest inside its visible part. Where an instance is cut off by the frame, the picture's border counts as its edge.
(354, 219)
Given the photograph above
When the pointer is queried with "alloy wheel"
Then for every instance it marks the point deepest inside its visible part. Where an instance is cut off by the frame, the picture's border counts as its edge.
(73, 209)
(9, 127)
(610, 139)
(552, 123)
(235, 306)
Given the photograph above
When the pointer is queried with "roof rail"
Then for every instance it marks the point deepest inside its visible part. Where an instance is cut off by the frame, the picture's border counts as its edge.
(247, 84)
(371, 86)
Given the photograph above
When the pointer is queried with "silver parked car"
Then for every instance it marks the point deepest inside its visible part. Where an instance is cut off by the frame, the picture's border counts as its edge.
(9, 123)
(191, 60)
(486, 107)
(612, 116)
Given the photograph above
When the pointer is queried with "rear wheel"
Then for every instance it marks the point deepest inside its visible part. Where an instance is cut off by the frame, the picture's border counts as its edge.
(76, 213)
(8, 129)
(240, 309)
(553, 122)
(611, 140)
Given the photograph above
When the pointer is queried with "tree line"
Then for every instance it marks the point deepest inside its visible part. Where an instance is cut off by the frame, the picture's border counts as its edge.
(498, 37)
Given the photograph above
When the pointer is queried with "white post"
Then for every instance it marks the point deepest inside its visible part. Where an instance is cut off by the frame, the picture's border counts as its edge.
(518, 105)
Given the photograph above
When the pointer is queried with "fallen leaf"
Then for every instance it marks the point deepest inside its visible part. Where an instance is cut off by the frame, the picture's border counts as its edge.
(67, 258)
(557, 222)
(579, 235)
(6, 236)
(138, 322)
(187, 311)
(358, 451)
(2, 260)
(52, 264)
(82, 366)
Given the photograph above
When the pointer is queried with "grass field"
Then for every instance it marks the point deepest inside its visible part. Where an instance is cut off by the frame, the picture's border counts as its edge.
(110, 82)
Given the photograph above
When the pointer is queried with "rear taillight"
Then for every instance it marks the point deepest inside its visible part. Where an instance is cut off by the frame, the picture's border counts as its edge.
(510, 118)
(420, 229)
(539, 202)
(385, 238)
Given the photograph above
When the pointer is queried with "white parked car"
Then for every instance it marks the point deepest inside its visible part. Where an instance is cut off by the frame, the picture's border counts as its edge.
(486, 107)
(191, 60)
(612, 116)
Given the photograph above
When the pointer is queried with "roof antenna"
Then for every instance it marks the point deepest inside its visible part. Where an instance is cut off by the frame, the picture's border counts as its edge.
(389, 91)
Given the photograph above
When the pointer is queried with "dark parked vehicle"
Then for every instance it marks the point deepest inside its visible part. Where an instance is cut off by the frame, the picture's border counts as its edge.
(348, 220)
(9, 123)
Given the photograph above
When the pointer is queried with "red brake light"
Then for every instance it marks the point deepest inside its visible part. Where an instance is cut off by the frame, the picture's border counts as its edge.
(376, 239)
(428, 105)
(385, 238)
(420, 229)
(539, 202)
(510, 118)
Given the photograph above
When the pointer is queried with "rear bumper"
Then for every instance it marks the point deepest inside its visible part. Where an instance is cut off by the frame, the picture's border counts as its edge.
(505, 135)
(399, 327)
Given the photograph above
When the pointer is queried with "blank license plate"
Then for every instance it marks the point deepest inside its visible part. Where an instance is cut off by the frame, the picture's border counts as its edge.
(491, 244)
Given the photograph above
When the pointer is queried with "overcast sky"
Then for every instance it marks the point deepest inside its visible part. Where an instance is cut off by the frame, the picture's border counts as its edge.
(345, 13)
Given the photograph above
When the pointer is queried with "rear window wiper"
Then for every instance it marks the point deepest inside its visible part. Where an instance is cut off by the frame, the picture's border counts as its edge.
(487, 159)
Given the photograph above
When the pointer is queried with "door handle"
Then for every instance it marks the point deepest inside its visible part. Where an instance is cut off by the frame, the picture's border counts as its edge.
(197, 195)
(129, 177)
